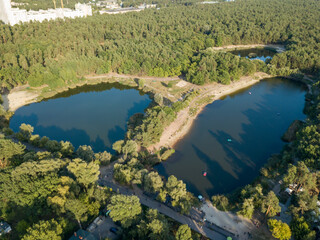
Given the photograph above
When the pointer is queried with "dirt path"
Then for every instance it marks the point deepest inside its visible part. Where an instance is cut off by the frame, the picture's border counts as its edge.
(125, 76)
(183, 123)
(278, 48)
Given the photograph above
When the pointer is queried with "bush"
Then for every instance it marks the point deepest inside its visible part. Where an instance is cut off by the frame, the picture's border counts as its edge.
(85, 152)
(279, 229)
(53, 146)
(166, 154)
(67, 148)
(221, 202)
(158, 99)
(35, 140)
(44, 141)
(103, 157)
(141, 83)
(7, 131)
(25, 132)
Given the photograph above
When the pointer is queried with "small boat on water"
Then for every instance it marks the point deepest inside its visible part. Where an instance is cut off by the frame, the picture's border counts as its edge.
(204, 174)
(229, 140)
(250, 93)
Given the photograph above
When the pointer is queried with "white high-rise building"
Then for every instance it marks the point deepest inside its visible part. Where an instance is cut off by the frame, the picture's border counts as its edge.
(6, 14)
(14, 16)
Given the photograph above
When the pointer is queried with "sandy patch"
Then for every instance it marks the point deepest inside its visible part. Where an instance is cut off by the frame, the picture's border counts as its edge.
(228, 220)
(181, 84)
(183, 123)
(18, 98)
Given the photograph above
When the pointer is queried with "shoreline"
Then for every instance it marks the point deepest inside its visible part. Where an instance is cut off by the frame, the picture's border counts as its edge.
(279, 48)
(172, 134)
(22, 95)
(18, 97)
(182, 125)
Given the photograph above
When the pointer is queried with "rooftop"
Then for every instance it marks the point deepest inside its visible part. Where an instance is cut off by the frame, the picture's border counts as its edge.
(4, 228)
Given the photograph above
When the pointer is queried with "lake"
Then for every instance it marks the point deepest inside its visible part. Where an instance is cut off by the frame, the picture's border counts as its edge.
(232, 138)
(255, 53)
(94, 115)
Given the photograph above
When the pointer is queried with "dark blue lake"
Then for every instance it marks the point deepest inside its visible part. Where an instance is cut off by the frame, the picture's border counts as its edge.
(253, 122)
(89, 115)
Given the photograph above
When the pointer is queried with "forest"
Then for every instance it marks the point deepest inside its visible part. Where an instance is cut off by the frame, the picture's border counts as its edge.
(50, 190)
(166, 42)
(48, 186)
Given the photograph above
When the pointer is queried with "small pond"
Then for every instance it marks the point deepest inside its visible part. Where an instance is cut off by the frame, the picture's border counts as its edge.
(255, 53)
(89, 115)
(233, 138)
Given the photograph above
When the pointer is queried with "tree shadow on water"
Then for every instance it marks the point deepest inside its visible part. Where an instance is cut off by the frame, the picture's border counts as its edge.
(138, 107)
(115, 134)
(18, 119)
(217, 176)
(239, 163)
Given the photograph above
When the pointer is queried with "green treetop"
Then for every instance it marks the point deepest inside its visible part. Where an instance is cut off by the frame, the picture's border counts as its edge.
(124, 209)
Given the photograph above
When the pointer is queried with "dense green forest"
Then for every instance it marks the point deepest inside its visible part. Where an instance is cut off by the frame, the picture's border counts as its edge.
(54, 189)
(49, 190)
(163, 42)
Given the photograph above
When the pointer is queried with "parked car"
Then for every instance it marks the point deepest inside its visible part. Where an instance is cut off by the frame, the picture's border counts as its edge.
(114, 230)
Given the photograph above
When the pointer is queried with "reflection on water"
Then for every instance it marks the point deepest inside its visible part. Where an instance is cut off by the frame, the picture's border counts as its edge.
(263, 54)
(88, 115)
(232, 138)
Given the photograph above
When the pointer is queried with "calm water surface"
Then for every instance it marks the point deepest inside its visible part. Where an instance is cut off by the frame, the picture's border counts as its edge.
(254, 122)
(89, 115)
(258, 53)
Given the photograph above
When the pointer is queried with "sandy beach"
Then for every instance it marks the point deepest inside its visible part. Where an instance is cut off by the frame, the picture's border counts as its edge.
(18, 97)
(183, 123)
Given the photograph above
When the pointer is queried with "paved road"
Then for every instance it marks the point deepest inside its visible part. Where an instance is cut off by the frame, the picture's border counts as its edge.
(101, 230)
(213, 233)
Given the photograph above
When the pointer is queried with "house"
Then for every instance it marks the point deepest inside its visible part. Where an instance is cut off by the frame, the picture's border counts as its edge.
(14, 16)
(4, 228)
(83, 235)
(289, 191)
